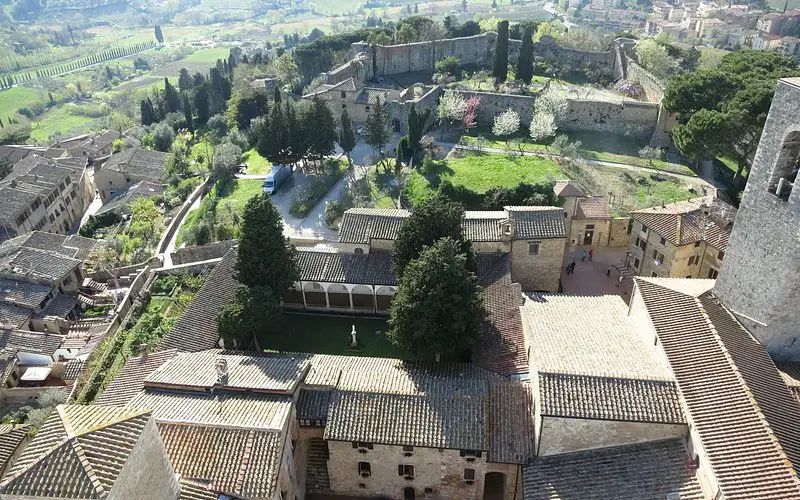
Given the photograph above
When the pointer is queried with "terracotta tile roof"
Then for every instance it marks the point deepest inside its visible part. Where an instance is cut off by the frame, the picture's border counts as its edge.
(511, 429)
(23, 293)
(78, 453)
(567, 188)
(596, 207)
(734, 396)
(231, 409)
(452, 420)
(790, 372)
(197, 329)
(484, 225)
(685, 222)
(41, 264)
(607, 398)
(73, 369)
(31, 342)
(648, 471)
(601, 341)
(196, 490)
(8, 362)
(142, 163)
(537, 222)
(61, 305)
(11, 437)
(240, 462)
(130, 380)
(256, 372)
(373, 268)
(313, 404)
(13, 317)
(500, 346)
(360, 225)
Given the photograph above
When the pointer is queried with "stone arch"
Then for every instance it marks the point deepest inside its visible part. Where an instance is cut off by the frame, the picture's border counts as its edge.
(314, 293)
(409, 493)
(494, 486)
(363, 298)
(383, 297)
(294, 296)
(338, 296)
(784, 174)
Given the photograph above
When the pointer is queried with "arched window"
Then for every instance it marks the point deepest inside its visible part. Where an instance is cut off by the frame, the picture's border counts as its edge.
(358, 251)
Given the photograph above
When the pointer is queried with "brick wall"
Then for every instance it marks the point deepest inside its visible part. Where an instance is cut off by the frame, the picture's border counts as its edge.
(760, 276)
(538, 272)
(442, 470)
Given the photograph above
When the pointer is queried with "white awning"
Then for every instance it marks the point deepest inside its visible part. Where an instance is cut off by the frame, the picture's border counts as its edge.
(36, 374)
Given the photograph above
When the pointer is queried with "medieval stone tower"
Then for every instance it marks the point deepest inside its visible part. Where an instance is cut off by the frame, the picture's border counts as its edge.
(760, 277)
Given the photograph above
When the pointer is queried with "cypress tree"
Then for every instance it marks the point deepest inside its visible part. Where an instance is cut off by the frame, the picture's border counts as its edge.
(277, 95)
(500, 67)
(525, 59)
(347, 138)
(187, 113)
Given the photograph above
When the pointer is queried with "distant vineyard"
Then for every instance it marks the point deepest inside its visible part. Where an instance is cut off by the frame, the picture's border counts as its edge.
(105, 55)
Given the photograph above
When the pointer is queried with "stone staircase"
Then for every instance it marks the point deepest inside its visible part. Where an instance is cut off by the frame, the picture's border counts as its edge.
(317, 468)
(625, 271)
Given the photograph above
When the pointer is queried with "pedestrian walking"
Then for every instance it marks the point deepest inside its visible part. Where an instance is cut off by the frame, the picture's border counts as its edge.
(584, 255)
(619, 280)
(608, 271)
(591, 253)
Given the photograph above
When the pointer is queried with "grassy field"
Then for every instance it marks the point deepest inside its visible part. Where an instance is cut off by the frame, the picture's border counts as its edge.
(57, 119)
(256, 164)
(18, 97)
(243, 190)
(236, 196)
(480, 172)
(208, 56)
(602, 147)
(328, 334)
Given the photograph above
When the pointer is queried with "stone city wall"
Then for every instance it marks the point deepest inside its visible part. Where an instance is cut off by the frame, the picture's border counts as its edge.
(653, 87)
(638, 119)
(358, 68)
(549, 50)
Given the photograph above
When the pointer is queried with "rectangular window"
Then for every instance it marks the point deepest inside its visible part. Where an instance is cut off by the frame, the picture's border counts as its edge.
(663, 241)
(469, 476)
(636, 263)
(720, 255)
(713, 273)
(429, 491)
(470, 455)
(644, 229)
(408, 451)
(407, 471)
(654, 275)
(344, 105)
(533, 247)
(344, 95)
(589, 226)
(697, 244)
(366, 108)
(364, 469)
(691, 260)
(362, 446)
(363, 486)
(658, 257)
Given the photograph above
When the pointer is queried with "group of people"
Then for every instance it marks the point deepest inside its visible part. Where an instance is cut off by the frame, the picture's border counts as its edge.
(589, 255)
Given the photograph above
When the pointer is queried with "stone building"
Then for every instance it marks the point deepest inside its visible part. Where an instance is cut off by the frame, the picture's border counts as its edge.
(121, 170)
(93, 452)
(588, 218)
(687, 239)
(43, 194)
(760, 280)
(92, 146)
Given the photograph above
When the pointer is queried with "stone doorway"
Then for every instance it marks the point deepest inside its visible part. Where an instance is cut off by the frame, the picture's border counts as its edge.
(409, 493)
(588, 236)
(494, 486)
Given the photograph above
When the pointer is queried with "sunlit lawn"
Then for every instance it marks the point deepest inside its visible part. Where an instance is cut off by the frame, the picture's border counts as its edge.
(256, 164)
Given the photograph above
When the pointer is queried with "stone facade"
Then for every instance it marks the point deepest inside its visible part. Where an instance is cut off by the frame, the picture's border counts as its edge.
(567, 435)
(760, 278)
(652, 255)
(439, 473)
(541, 271)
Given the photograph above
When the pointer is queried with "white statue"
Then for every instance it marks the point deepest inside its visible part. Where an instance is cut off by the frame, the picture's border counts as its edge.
(354, 343)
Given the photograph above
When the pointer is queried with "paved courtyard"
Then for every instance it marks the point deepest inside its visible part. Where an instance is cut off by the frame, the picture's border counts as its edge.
(590, 277)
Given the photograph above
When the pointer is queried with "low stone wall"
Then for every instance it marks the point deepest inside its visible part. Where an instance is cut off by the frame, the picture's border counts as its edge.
(356, 68)
(549, 50)
(638, 119)
(653, 87)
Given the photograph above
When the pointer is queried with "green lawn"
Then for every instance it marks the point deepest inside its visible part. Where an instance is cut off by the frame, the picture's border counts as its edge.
(256, 164)
(18, 97)
(329, 334)
(603, 147)
(480, 172)
(243, 190)
(57, 119)
(208, 55)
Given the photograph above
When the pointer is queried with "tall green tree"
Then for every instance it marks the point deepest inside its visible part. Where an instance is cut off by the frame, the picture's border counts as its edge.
(200, 100)
(437, 309)
(525, 58)
(147, 112)
(252, 313)
(416, 128)
(347, 138)
(159, 34)
(500, 64)
(185, 82)
(320, 130)
(376, 132)
(265, 258)
(171, 98)
(435, 218)
(722, 111)
(187, 113)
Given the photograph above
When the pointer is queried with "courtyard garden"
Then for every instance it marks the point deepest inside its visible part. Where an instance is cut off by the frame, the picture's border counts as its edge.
(147, 324)
(218, 216)
(329, 334)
